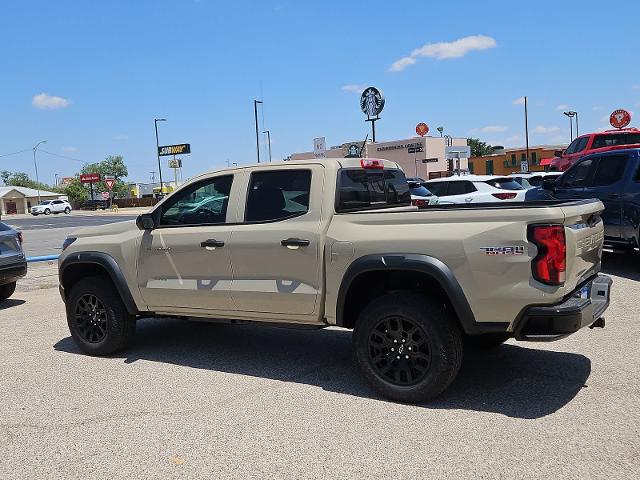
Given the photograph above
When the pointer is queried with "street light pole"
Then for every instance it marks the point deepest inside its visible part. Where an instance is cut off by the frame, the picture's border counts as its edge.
(35, 163)
(255, 114)
(269, 141)
(571, 114)
(56, 177)
(156, 120)
(440, 129)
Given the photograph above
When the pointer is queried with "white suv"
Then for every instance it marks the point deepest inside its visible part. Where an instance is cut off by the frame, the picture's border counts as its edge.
(51, 206)
(476, 189)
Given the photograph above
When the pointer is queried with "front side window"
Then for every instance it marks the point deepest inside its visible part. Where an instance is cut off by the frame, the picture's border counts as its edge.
(278, 195)
(577, 175)
(461, 187)
(204, 203)
(609, 171)
(573, 147)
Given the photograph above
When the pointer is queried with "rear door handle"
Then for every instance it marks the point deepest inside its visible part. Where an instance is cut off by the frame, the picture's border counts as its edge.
(295, 242)
(212, 243)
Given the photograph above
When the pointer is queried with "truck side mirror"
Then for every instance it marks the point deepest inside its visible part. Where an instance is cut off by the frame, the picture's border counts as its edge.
(558, 153)
(145, 221)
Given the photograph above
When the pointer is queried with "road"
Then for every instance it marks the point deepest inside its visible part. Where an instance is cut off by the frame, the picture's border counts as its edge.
(43, 235)
(192, 400)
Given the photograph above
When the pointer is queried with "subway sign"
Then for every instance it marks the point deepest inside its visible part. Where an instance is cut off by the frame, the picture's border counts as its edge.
(174, 149)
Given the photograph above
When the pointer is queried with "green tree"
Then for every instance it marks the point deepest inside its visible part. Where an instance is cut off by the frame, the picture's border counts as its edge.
(76, 190)
(479, 148)
(114, 166)
(21, 179)
(4, 175)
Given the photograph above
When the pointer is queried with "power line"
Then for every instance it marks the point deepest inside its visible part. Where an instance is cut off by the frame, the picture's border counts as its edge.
(63, 156)
(15, 153)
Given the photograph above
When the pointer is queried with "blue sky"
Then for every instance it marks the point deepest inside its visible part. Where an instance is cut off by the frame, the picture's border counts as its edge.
(108, 68)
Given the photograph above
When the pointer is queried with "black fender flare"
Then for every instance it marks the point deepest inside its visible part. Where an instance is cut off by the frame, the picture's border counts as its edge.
(430, 266)
(108, 263)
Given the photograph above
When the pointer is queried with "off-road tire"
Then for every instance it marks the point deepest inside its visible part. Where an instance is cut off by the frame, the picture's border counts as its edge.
(7, 290)
(118, 326)
(486, 341)
(436, 324)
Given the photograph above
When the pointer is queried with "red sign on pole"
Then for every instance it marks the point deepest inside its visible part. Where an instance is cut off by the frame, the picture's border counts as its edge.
(110, 182)
(620, 118)
(90, 177)
(105, 195)
(422, 129)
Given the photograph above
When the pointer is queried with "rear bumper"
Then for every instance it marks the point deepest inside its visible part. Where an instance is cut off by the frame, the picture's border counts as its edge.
(552, 322)
(12, 272)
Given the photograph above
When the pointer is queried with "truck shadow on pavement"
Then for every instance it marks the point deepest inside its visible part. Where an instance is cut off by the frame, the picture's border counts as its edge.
(11, 302)
(621, 265)
(511, 380)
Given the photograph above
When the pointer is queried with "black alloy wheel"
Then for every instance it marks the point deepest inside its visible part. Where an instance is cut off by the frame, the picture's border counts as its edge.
(400, 351)
(91, 318)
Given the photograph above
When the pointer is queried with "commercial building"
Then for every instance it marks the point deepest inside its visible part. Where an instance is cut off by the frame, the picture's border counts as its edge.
(418, 156)
(20, 199)
(509, 160)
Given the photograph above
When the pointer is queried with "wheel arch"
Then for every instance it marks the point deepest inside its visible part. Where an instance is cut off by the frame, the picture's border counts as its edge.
(438, 275)
(84, 264)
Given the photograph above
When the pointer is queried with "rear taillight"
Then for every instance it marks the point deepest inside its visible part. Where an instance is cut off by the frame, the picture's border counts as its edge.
(419, 202)
(373, 163)
(550, 265)
(505, 196)
(20, 237)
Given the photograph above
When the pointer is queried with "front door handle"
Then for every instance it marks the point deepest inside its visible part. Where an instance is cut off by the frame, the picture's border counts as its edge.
(295, 242)
(212, 243)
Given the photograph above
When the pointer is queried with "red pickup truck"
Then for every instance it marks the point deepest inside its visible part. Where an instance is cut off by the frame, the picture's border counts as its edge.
(594, 143)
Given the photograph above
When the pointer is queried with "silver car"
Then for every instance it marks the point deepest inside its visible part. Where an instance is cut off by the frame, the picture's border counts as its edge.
(13, 264)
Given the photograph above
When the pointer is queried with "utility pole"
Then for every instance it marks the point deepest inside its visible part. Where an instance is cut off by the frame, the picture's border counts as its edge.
(526, 131)
(35, 163)
(156, 120)
(269, 140)
(255, 114)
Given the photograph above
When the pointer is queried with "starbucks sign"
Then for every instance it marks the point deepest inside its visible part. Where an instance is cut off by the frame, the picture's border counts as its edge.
(371, 102)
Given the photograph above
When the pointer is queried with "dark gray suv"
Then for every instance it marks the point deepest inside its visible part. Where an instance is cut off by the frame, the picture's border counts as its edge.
(13, 264)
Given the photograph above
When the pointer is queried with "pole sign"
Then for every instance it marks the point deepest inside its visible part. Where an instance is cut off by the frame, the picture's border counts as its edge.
(458, 151)
(524, 166)
(371, 102)
(620, 118)
(175, 163)
(422, 129)
(319, 147)
(109, 182)
(90, 177)
(105, 195)
(174, 149)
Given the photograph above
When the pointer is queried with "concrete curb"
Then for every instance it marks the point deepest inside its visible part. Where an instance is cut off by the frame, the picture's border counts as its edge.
(42, 258)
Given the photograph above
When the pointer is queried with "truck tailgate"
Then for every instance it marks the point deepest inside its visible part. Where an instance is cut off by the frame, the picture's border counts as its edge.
(585, 234)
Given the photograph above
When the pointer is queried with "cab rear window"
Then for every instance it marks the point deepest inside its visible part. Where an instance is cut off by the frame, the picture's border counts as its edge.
(611, 140)
(360, 189)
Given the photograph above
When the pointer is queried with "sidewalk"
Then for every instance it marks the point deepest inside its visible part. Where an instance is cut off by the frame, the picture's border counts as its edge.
(39, 276)
(121, 211)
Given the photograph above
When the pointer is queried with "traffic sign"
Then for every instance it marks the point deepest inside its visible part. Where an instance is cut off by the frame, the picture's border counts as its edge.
(110, 182)
(90, 177)
(105, 195)
(422, 129)
(319, 147)
(620, 118)
(457, 151)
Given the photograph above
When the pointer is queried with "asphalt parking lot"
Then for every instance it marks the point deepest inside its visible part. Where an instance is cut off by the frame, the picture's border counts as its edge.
(44, 234)
(218, 401)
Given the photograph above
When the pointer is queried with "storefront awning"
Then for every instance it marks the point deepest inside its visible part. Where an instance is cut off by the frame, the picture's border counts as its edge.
(545, 161)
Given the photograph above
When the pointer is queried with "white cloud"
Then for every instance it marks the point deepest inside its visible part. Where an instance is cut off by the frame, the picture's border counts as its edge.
(562, 106)
(545, 130)
(494, 129)
(49, 102)
(445, 50)
(635, 87)
(401, 64)
(121, 137)
(354, 88)
(70, 149)
(518, 101)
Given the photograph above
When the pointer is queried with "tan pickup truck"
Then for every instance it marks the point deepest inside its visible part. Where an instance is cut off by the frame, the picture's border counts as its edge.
(337, 243)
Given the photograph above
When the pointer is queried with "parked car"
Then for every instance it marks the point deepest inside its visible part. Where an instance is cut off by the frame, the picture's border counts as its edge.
(94, 205)
(594, 143)
(48, 207)
(13, 264)
(344, 252)
(415, 179)
(420, 195)
(476, 189)
(613, 177)
(533, 179)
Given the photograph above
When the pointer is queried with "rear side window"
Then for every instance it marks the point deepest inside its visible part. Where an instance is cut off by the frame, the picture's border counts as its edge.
(612, 140)
(609, 170)
(278, 195)
(367, 188)
(505, 184)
